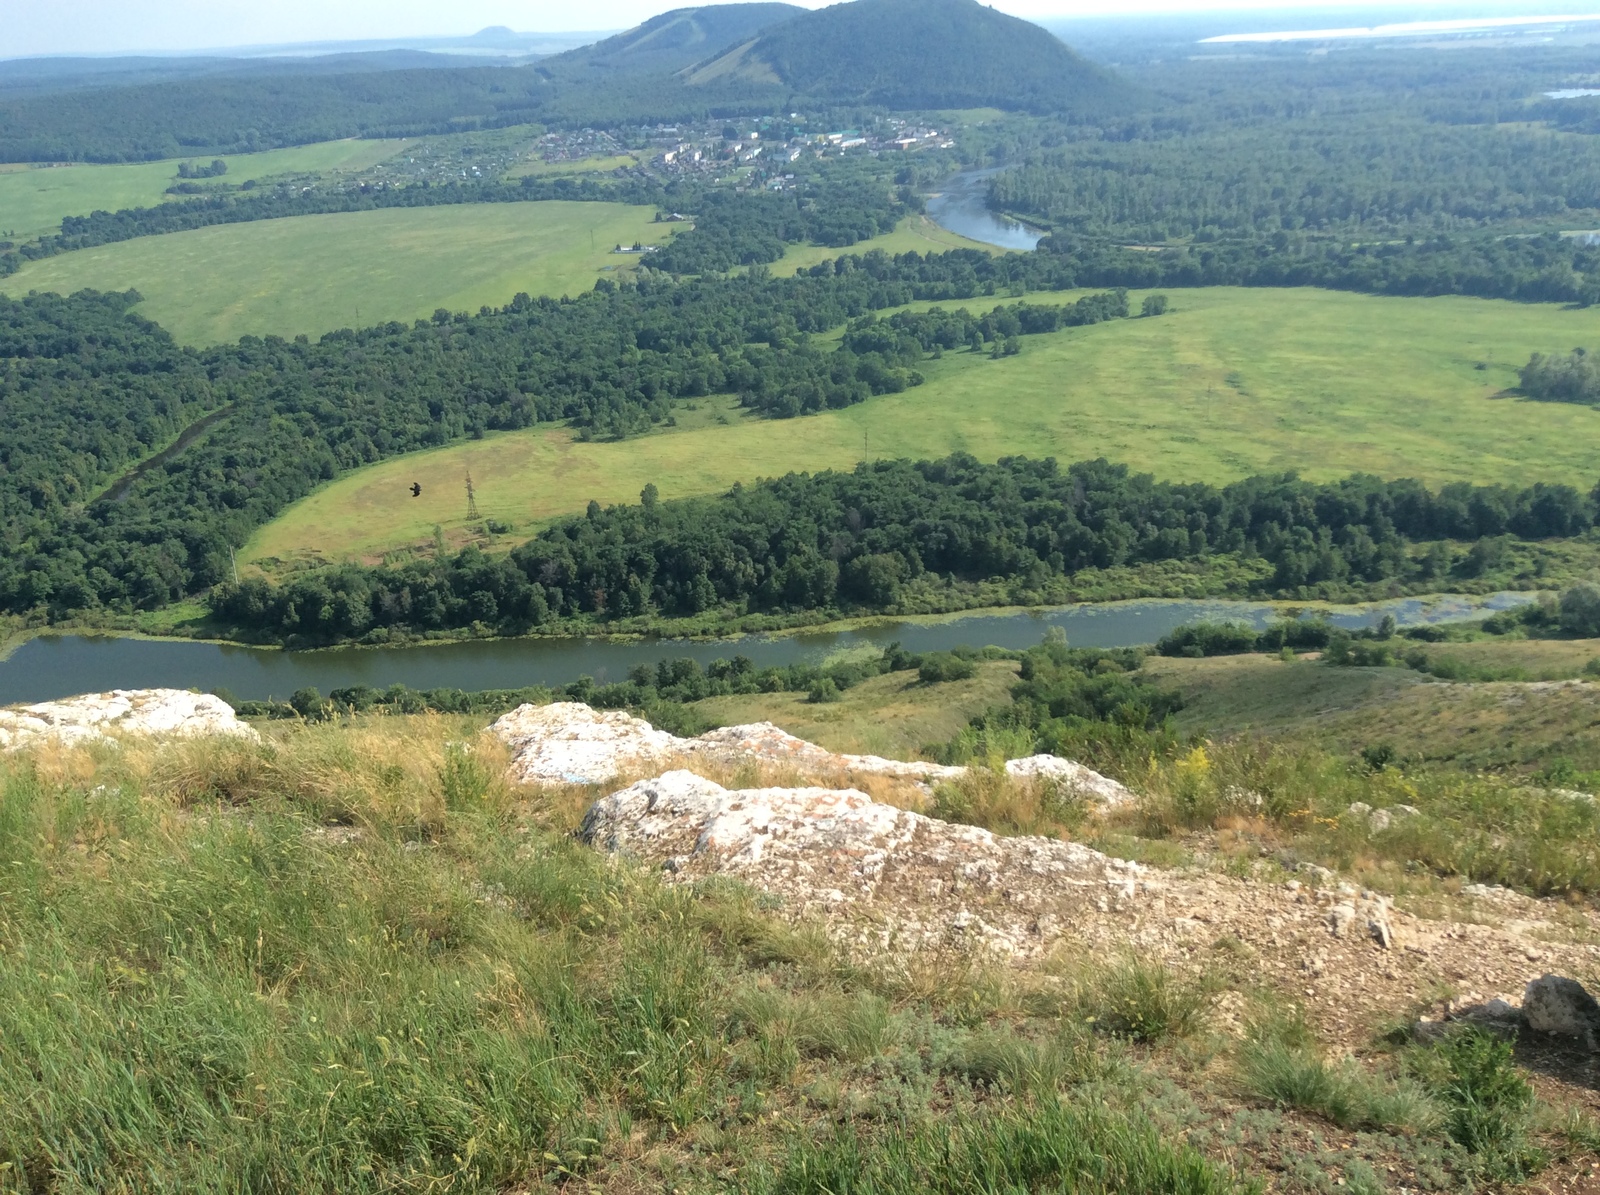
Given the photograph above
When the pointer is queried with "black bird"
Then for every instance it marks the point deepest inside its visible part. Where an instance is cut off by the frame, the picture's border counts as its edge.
(416, 489)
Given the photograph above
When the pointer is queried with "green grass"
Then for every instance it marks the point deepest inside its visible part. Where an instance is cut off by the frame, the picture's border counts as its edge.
(1231, 383)
(349, 960)
(35, 199)
(894, 715)
(916, 234)
(313, 274)
(595, 165)
(1501, 726)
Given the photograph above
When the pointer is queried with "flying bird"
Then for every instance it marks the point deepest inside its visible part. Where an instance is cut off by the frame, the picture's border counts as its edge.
(416, 489)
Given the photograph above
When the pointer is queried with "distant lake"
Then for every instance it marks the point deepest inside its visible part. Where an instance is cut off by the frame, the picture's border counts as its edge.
(1571, 93)
(56, 666)
(963, 208)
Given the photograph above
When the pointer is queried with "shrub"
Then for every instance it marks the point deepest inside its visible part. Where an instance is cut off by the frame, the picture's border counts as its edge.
(1580, 610)
(1199, 639)
(944, 666)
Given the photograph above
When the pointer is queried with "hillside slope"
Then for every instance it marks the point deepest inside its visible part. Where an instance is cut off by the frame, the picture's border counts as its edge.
(919, 54)
(673, 40)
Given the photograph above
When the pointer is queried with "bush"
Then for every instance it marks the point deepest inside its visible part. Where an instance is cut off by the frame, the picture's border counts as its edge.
(1580, 610)
(1199, 639)
(940, 666)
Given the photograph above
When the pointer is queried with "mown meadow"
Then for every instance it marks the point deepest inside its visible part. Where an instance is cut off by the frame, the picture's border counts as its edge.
(35, 199)
(307, 275)
(1229, 383)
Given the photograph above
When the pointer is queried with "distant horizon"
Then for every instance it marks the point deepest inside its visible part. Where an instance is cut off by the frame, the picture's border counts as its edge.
(185, 28)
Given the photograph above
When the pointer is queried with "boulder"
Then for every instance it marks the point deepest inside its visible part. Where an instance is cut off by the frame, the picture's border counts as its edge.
(1557, 1005)
(569, 743)
(763, 740)
(101, 717)
(898, 878)
(1076, 778)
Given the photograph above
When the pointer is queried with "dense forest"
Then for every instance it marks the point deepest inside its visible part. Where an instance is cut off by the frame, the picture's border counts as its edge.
(851, 541)
(612, 362)
(1309, 176)
(295, 414)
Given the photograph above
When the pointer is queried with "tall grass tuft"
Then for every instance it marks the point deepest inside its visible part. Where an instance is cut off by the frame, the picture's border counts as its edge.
(1050, 1146)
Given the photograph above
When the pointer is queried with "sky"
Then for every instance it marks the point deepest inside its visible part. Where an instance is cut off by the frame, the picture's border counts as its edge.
(32, 27)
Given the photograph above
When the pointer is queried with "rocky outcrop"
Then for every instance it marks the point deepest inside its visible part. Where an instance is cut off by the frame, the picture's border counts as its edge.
(569, 743)
(891, 877)
(102, 717)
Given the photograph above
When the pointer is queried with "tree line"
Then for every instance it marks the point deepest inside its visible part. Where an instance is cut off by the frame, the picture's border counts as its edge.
(853, 542)
(611, 362)
(89, 390)
(836, 204)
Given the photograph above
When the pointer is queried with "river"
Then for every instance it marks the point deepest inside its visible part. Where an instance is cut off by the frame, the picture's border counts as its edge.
(53, 666)
(963, 208)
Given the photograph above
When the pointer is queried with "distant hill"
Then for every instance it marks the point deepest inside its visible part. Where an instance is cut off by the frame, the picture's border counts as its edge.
(917, 54)
(672, 41)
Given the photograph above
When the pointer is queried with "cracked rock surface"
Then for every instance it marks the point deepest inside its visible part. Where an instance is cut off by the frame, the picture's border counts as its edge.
(98, 717)
(907, 881)
(569, 743)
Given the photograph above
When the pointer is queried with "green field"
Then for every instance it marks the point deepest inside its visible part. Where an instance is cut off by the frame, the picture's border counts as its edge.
(1230, 383)
(312, 274)
(34, 199)
(916, 234)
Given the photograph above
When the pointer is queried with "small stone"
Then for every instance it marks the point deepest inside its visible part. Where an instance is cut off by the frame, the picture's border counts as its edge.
(1340, 918)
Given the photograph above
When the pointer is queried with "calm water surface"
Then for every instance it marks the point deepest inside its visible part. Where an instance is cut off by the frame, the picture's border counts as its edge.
(963, 208)
(60, 666)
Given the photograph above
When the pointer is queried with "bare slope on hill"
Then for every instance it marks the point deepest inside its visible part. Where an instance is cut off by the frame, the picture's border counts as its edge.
(671, 41)
(919, 53)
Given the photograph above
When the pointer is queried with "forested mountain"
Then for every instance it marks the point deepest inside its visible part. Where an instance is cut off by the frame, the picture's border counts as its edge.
(920, 54)
(671, 41)
(901, 53)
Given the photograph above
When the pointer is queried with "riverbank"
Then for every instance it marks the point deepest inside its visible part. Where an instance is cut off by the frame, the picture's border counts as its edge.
(51, 664)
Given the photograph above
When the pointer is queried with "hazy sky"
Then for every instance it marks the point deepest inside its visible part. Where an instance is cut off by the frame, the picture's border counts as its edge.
(107, 26)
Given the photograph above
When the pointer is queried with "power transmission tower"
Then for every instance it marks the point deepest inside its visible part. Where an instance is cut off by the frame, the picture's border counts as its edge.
(472, 499)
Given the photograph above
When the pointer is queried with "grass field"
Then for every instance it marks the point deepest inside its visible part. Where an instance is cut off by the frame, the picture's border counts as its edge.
(313, 274)
(543, 169)
(894, 715)
(916, 234)
(35, 199)
(1494, 725)
(1232, 382)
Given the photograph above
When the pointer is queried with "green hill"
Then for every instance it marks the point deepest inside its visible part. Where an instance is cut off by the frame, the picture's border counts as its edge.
(918, 54)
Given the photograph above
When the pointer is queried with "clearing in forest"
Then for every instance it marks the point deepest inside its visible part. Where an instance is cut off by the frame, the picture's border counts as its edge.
(1230, 383)
(315, 274)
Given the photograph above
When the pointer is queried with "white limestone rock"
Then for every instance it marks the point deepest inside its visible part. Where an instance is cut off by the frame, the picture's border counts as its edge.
(1085, 782)
(763, 740)
(918, 881)
(569, 743)
(98, 717)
